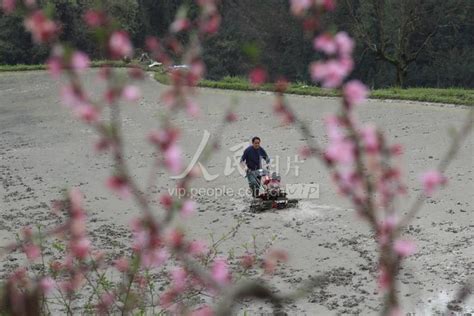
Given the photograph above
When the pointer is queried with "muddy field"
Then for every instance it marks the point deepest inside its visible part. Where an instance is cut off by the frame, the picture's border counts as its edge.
(43, 150)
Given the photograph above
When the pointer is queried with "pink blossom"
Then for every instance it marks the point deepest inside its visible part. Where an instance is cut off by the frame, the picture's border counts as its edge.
(131, 93)
(76, 200)
(370, 138)
(345, 44)
(329, 5)
(346, 64)
(71, 96)
(119, 185)
(231, 117)
(196, 72)
(384, 279)
(111, 95)
(8, 6)
(30, 3)
(304, 152)
(102, 145)
(212, 24)
(120, 45)
(257, 76)
(78, 226)
(299, 6)
(404, 248)
(154, 258)
(389, 223)
(220, 271)
(166, 200)
(87, 113)
(169, 98)
(287, 118)
(32, 252)
(385, 228)
(355, 92)
(98, 256)
(166, 298)
(178, 278)
(192, 108)
(136, 73)
(341, 151)
(272, 258)
(203, 311)
(94, 18)
(122, 264)
(140, 240)
(164, 138)
(27, 232)
(173, 158)
(105, 302)
(55, 66)
(187, 208)
(325, 43)
(80, 61)
(47, 285)
(431, 180)
(152, 43)
(80, 248)
(331, 73)
(174, 238)
(333, 128)
(247, 261)
(281, 85)
(43, 29)
(348, 182)
(179, 25)
(396, 149)
(197, 248)
(55, 266)
(395, 311)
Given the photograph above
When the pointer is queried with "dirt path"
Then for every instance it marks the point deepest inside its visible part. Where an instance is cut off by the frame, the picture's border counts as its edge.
(44, 150)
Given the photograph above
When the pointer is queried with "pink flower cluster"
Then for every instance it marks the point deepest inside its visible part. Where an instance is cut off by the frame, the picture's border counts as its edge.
(432, 180)
(210, 18)
(79, 244)
(43, 29)
(299, 7)
(166, 141)
(331, 73)
(120, 45)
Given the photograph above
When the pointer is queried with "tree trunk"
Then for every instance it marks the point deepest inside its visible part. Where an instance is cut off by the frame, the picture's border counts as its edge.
(401, 76)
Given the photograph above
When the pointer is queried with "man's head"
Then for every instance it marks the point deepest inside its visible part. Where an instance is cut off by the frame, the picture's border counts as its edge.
(256, 142)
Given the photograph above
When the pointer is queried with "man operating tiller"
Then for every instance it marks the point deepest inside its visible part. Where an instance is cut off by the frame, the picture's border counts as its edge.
(252, 157)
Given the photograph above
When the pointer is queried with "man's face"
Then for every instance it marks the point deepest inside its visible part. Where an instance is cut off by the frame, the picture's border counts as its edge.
(256, 144)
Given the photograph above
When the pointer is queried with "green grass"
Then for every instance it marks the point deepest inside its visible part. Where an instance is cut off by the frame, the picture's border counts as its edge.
(449, 95)
(94, 64)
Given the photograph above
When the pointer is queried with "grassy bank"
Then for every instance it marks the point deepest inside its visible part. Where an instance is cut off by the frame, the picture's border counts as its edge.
(448, 95)
(94, 64)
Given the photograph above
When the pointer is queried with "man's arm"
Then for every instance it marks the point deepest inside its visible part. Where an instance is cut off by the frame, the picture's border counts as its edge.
(265, 156)
(244, 159)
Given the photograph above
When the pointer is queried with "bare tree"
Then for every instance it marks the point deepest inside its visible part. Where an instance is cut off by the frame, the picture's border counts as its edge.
(397, 31)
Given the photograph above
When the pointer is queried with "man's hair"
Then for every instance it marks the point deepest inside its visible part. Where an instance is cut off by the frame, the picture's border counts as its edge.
(255, 138)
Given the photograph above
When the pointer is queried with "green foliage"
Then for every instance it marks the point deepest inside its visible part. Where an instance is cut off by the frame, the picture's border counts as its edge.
(94, 64)
(449, 96)
(264, 33)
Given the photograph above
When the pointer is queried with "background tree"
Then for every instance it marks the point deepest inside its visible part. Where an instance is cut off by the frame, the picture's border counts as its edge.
(406, 42)
(397, 31)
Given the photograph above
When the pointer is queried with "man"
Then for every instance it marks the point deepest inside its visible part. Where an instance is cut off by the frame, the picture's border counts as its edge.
(252, 157)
